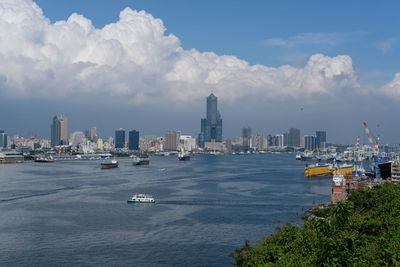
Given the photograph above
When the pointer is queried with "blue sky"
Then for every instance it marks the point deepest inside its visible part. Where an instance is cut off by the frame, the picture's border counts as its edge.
(270, 33)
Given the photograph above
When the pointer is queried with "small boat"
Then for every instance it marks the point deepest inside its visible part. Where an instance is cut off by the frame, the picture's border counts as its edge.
(109, 165)
(141, 198)
(140, 160)
(183, 155)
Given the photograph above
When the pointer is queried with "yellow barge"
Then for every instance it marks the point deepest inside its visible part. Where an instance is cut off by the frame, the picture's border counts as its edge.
(328, 170)
(344, 170)
(318, 170)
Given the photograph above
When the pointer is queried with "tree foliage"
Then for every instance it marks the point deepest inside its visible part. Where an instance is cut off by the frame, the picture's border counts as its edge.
(362, 231)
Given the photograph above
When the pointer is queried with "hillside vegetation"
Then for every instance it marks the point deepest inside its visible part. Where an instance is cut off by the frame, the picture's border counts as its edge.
(362, 231)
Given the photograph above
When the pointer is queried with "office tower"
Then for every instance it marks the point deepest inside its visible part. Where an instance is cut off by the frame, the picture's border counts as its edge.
(320, 141)
(285, 139)
(120, 138)
(3, 139)
(59, 130)
(133, 140)
(294, 137)
(309, 142)
(211, 126)
(93, 133)
(171, 141)
(279, 140)
(246, 135)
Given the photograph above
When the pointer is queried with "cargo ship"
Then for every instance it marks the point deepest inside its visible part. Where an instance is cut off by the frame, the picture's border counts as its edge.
(109, 165)
(318, 170)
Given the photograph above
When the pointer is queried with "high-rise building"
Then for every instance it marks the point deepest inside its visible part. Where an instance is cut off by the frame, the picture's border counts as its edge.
(133, 140)
(280, 140)
(3, 139)
(309, 142)
(246, 135)
(320, 141)
(59, 130)
(93, 133)
(171, 141)
(294, 137)
(120, 138)
(211, 126)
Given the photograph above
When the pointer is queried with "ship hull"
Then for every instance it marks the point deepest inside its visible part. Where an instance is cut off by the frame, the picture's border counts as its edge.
(109, 166)
(183, 158)
(343, 170)
(317, 171)
(142, 162)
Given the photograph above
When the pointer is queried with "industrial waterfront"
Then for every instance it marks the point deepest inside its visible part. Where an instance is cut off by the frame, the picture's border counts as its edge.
(74, 213)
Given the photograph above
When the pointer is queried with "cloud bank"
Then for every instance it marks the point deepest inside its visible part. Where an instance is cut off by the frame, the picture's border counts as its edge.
(133, 60)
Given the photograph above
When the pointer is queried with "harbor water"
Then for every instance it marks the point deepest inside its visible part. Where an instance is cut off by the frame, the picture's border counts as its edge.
(72, 213)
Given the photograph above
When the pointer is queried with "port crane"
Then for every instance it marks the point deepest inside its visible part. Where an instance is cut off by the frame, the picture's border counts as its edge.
(374, 143)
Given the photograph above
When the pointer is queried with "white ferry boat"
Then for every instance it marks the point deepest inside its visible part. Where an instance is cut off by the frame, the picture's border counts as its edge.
(141, 198)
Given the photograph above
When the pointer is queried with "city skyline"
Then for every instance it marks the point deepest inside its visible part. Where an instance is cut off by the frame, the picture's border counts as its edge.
(101, 65)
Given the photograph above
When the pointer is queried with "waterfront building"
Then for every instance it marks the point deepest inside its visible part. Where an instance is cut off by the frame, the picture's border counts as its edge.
(133, 140)
(147, 142)
(215, 146)
(100, 144)
(120, 138)
(77, 138)
(294, 137)
(246, 135)
(259, 142)
(211, 126)
(59, 131)
(171, 141)
(187, 142)
(320, 141)
(310, 142)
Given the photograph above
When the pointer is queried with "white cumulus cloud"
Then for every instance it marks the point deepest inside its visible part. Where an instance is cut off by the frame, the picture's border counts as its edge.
(392, 88)
(134, 60)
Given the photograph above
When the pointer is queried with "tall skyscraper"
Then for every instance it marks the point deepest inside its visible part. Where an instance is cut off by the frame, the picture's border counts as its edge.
(59, 130)
(320, 141)
(171, 141)
(120, 138)
(133, 140)
(309, 142)
(211, 126)
(3, 139)
(246, 135)
(294, 137)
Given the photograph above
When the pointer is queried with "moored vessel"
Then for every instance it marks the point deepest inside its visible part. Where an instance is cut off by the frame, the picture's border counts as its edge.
(318, 170)
(141, 198)
(44, 160)
(345, 169)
